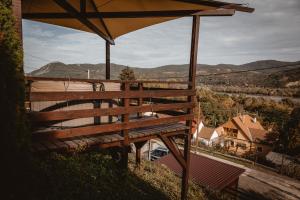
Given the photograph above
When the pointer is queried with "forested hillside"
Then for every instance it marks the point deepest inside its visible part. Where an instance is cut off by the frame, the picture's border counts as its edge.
(281, 77)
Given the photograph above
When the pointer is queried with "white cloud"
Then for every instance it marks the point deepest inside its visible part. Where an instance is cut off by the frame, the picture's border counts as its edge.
(271, 32)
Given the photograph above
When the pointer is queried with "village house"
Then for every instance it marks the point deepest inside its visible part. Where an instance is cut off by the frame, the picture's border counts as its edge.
(207, 136)
(244, 134)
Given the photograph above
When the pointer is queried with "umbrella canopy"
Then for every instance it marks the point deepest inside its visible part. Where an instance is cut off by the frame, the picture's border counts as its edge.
(113, 18)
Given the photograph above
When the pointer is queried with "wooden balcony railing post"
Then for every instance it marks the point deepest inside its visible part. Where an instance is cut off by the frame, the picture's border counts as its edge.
(125, 119)
(107, 61)
(96, 104)
(28, 93)
(138, 147)
(107, 73)
(191, 99)
(140, 100)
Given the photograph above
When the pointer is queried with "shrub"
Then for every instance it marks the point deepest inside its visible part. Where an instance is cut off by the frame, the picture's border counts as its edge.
(94, 175)
(14, 135)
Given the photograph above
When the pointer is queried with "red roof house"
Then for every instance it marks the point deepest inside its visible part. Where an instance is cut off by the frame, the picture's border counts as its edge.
(206, 172)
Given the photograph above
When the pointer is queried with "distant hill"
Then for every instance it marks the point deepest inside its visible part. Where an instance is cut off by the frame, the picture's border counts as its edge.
(282, 77)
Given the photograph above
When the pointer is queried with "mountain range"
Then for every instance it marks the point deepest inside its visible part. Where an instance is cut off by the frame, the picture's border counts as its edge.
(221, 74)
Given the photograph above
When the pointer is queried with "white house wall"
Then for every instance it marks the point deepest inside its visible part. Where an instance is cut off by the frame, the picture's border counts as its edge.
(214, 135)
(201, 125)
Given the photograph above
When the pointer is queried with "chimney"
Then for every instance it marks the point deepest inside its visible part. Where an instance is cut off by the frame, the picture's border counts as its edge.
(254, 120)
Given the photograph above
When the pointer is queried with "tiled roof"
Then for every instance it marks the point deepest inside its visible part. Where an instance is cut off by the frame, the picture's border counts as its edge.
(229, 124)
(220, 130)
(258, 134)
(239, 122)
(205, 171)
(206, 133)
(194, 126)
(249, 121)
(250, 127)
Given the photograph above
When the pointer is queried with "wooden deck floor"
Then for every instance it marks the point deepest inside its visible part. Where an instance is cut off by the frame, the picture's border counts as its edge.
(109, 139)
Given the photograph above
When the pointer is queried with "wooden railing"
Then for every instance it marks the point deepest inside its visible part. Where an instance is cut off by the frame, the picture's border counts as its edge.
(130, 92)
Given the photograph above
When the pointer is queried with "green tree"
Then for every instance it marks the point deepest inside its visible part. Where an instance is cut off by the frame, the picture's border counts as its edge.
(290, 133)
(14, 135)
(127, 74)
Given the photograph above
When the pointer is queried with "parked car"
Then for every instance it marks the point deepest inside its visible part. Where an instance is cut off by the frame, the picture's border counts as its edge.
(158, 153)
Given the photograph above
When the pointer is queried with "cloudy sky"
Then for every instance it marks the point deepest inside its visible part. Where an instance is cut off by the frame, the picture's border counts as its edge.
(271, 32)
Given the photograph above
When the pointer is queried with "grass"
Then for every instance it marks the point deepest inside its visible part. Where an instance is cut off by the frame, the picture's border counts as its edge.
(94, 175)
(164, 180)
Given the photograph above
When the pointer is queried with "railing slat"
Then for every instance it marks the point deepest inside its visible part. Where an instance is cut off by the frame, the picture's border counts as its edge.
(97, 129)
(84, 113)
(30, 78)
(64, 96)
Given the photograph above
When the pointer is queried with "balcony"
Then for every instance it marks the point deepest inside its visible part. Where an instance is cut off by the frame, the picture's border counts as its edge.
(67, 114)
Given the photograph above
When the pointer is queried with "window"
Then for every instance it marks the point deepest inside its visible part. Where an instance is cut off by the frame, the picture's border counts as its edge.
(232, 143)
(259, 149)
(241, 145)
(232, 132)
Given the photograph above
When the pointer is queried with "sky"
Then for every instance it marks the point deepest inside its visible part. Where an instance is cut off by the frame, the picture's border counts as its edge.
(271, 32)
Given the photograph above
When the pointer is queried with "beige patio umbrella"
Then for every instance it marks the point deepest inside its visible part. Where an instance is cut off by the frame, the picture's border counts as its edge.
(113, 18)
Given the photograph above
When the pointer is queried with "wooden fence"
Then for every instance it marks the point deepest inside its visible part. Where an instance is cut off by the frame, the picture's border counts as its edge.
(133, 97)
